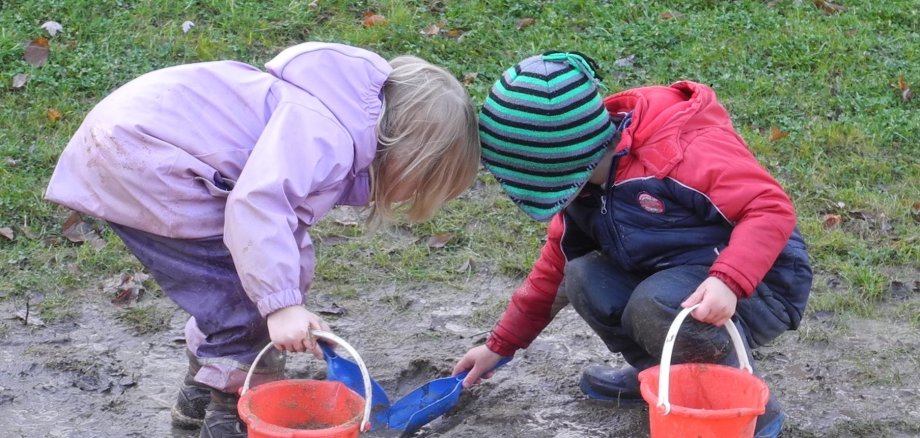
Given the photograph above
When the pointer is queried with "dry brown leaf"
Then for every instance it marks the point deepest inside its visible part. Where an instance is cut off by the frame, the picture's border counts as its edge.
(7, 232)
(469, 78)
(454, 33)
(27, 231)
(53, 114)
(431, 30)
(525, 23)
(671, 15)
(828, 7)
(77, 231)
(831, 221)
(373, 20)
(20, 80)
(776, 134)
(906, 92)
(439, 240)
(126, 289)
(11, 162)
(37, 51)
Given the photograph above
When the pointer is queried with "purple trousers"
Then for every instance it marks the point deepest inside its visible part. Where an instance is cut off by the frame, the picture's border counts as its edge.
(226, 330)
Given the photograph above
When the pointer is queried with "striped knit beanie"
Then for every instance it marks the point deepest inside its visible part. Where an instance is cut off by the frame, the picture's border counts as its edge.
(543, 129)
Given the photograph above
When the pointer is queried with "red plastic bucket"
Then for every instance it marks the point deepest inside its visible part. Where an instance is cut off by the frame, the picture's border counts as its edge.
(305, 408)
(705, 400)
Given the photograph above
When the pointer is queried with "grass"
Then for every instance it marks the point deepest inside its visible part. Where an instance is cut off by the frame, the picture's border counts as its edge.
(816, 96)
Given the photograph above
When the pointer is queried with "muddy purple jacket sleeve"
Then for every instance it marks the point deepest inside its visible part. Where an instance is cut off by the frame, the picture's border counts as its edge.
(530, 309)
(287, 184)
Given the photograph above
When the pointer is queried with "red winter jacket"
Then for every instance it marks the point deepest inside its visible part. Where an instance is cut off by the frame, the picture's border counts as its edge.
(680, 143)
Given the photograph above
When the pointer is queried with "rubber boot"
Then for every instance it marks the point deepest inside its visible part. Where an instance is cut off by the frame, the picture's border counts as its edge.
(600, 382)
(193, 397)
(221, 418)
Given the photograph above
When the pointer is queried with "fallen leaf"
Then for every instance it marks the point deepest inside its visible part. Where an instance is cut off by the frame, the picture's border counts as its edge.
(525, 23)
(187, 26)
(831, 220)
(53, 27)
(26, 231)
(467, 266)
(469, 78)
(432, 30)
(915, 211)
(11, 162)
(53, 114)
(7, 232)
(334, 309)
(906, 92)
(776, 134)
(20, 80)
(126, 289)
(77, 231)
(313, 4)
(37, 51)
(373, 20)
(439, 240)
(454, 33)
(851, 32)
(828, 7)
(671, 15)
(625, 62)
(28, 319)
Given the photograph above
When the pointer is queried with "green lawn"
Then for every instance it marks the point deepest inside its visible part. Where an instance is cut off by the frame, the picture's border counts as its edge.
(821, 97)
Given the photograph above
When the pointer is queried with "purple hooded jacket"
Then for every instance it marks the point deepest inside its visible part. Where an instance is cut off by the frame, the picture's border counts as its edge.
(160, 153)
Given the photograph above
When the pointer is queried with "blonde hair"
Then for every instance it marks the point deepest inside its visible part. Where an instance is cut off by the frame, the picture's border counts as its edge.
(427, 142)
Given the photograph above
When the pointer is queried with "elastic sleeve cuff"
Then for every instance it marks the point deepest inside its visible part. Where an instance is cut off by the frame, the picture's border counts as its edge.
(731, 283)
(500, 347)
(279, 300)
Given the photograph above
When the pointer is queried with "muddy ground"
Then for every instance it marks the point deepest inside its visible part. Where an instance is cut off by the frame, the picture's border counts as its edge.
(91, 377)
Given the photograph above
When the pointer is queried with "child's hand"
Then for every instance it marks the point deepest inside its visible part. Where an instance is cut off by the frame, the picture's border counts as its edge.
(290, 328)
(479, 360)
(717, 302)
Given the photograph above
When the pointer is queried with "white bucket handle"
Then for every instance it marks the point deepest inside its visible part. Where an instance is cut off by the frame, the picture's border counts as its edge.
(365, 375)
(664, 374)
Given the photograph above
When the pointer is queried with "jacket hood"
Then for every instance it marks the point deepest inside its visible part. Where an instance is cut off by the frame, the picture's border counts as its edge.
(347, 80)
(663, 118)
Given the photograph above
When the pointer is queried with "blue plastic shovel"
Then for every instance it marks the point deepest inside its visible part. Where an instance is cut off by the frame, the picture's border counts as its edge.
(428, 402)
(410, 412)
(343, 370)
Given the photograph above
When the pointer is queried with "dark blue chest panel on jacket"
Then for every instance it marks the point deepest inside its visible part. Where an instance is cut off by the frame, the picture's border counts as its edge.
(646, 224)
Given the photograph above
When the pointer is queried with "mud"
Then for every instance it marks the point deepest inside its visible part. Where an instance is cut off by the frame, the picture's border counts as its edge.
(91, 377)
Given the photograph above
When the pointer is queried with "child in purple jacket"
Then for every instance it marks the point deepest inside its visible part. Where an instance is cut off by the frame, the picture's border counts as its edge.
(212, 174)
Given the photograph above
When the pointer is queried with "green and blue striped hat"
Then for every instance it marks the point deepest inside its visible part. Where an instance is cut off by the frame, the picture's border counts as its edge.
(543, 129)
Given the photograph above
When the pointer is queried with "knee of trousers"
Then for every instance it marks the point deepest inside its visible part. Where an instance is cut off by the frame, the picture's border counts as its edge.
(648, 317)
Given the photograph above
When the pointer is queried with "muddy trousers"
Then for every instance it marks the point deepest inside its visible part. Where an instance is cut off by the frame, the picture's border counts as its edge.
(226, 330)
(632, 312)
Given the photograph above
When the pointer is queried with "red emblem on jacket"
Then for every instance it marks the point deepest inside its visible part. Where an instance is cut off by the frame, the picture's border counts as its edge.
(650, 203)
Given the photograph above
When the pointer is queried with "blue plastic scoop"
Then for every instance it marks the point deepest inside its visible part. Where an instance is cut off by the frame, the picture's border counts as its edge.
(344, 370)
(428, 402)
(409, 413)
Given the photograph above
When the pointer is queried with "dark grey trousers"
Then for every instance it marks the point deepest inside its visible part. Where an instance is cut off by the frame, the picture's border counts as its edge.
(632, 312)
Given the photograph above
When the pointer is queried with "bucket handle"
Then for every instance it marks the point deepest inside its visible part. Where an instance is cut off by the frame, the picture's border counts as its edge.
(365, 425)
(664, 374)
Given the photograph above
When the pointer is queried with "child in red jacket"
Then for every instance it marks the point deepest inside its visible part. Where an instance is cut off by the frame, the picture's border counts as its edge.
(655, 204)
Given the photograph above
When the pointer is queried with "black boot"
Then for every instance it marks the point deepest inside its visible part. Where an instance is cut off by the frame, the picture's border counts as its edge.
(604, 383)
(221, 418)
(188, 412)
